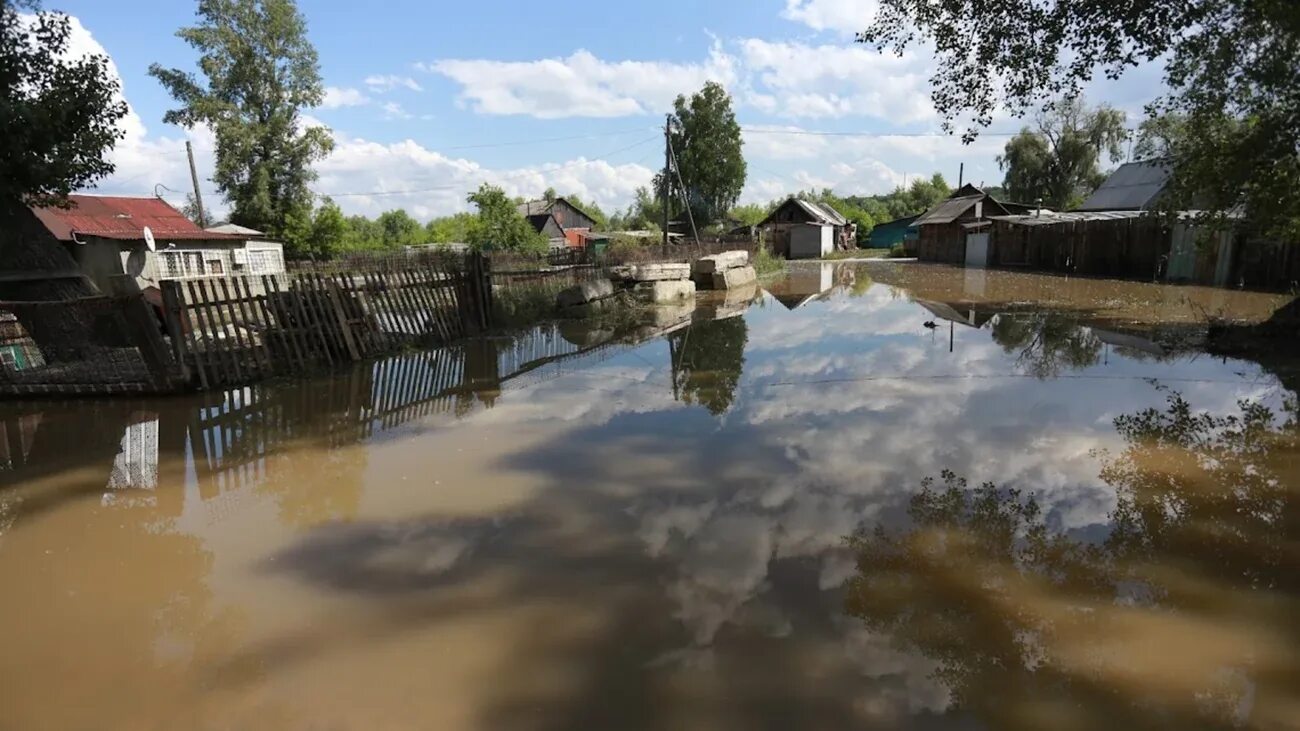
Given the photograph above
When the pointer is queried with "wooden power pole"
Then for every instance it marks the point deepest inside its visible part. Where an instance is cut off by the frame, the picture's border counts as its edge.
(668, 162)
(194, 178)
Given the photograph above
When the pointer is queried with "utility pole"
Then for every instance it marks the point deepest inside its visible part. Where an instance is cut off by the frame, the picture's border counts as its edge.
(668, 162)
(194, 178)
(681, 187)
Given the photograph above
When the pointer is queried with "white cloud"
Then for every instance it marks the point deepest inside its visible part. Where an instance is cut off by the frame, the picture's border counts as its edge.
(840, 16)
(827, 81)
(356, 165)
(393, 110)
(785, 79)
(428, 183)
(337, 97)
(580, 85)
(142, 161)
(383, 83)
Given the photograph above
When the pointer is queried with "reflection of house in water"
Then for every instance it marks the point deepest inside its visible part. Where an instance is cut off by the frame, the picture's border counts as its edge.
(961, 314)
(802, 284)
(1130, 343)
(136, 466)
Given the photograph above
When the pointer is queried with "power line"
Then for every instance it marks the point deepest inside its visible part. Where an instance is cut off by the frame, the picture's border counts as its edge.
(875, 135)
(601, 158)
(538, 141)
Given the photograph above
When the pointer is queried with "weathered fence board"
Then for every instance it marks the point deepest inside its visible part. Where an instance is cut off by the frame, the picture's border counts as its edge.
(236, 330)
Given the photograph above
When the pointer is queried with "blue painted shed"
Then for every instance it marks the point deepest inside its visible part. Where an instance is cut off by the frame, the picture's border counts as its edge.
(886, 235)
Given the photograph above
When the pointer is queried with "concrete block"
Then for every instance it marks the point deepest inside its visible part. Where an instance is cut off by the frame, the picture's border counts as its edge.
(730, 278)
(727, 303)
(662, 293)
(721, 262)
(663, 317)
(658, 272)
(581, 294)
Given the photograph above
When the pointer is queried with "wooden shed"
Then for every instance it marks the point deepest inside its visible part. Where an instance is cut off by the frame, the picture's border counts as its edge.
(943, 230)
(797, 213)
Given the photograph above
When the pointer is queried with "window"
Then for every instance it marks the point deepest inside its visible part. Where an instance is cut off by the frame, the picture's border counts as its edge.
(265, 261)
(182, 264)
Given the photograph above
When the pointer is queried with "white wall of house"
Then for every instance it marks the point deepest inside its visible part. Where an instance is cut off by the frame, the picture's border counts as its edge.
(811, 241)
(101, 259)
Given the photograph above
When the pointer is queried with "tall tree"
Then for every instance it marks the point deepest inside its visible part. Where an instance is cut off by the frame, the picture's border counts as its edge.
(500, 225)
(1232, 68)
(644, 214)
(259, 72)
(1159, 136)
(398, 228)
(706, 140)
(1060, 161)
(449, 229)
(328, 229)
(59, 114)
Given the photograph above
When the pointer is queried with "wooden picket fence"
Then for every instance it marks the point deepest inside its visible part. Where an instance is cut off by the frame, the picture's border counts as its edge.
(242, 329)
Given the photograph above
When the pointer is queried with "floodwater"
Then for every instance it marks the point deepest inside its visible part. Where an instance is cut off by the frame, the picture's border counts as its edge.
(765, 513)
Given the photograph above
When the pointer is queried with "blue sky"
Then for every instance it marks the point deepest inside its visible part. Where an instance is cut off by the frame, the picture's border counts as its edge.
(427, 100)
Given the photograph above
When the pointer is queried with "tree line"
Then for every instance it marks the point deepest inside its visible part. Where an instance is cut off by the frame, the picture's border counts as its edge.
(495, 223)
(1226, 124)
(1226, 118)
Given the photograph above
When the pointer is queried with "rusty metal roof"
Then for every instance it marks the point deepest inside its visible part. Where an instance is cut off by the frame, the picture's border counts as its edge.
(123, 219)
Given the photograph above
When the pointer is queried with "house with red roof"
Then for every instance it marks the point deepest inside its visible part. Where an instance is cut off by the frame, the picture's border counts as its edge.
(150, 240)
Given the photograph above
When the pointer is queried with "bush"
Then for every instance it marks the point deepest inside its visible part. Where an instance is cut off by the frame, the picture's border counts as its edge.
(897, 251)
(765, 262)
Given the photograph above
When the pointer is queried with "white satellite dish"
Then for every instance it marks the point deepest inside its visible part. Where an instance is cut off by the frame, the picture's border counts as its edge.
(148, 239)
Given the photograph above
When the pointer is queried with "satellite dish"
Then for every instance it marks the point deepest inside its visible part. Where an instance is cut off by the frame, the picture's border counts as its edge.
(148, 239)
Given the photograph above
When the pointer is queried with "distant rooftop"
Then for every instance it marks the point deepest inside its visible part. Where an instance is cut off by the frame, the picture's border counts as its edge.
(234, 228)
(1135, 186)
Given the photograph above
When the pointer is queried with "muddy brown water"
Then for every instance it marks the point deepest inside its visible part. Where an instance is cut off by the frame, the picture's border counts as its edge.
(721, 522)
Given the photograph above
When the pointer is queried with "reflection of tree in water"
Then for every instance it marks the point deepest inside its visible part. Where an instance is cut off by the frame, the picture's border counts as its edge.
(708, 359)
(1047, 343)
(1183, 617)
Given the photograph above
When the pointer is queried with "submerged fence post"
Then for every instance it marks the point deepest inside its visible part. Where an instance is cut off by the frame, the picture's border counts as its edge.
(173, 319)
(142, 329)
(345, 326)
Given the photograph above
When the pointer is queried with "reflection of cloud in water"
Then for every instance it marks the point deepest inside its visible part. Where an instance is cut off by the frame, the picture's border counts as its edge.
(394, 556)
(722, 567)
(905, 682)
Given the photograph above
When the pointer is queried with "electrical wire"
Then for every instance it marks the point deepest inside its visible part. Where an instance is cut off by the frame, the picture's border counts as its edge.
(602, 158)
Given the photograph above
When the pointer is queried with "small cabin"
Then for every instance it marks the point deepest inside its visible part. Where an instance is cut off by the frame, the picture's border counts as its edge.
(796, 225)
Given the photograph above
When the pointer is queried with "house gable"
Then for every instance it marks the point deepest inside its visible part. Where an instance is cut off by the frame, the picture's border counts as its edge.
(796, 210)
(567, 215)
